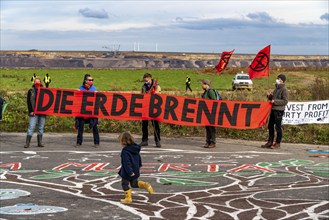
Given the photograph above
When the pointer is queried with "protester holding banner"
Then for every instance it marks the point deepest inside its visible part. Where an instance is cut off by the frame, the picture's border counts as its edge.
(150, 86)
(279, 100)
(87, 85)
(210, 130)
(130, 167)
(34, 118)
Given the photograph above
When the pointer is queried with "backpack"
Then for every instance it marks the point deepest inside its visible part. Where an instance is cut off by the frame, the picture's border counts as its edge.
(218, 96)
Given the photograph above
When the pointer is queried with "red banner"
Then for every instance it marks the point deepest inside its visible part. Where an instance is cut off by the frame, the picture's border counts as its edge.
(164, 108)
(223, 62)
(260, 66)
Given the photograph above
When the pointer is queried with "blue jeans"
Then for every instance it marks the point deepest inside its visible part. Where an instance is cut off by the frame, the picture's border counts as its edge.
(40, 119)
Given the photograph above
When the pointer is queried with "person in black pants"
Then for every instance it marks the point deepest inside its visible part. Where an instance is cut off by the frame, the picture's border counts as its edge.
(279, 100)
(87, 85)
(188, 84)
(131, 162)
(150, 86)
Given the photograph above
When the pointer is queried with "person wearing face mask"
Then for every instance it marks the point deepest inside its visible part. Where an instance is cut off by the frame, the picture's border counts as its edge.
(87, 85)
(150, 86)
(33, 118)
(279, 100)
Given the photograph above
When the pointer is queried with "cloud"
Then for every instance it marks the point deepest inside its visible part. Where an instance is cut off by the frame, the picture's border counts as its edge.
(325, 17)
(256, 20)
(92, 13)
(263, 17)
(179, 19)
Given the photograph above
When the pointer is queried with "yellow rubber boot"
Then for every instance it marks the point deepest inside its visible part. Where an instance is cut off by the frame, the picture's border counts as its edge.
(128, 198)
(145, 185)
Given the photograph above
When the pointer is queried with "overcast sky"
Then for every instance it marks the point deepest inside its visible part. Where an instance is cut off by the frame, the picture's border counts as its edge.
(291, 27)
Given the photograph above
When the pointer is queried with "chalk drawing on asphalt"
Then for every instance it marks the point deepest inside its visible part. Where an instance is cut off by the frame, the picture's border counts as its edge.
(12, 193)
(194, 189)
(30, 209)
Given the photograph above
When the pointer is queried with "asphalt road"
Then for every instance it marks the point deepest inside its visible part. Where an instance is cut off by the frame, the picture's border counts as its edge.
(236, 180)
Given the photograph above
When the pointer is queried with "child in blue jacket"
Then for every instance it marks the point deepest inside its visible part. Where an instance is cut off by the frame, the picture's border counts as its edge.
(130, 167)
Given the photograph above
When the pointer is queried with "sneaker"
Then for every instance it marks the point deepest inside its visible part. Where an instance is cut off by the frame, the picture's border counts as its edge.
(158, 144)
(267, 145)
(206, 145)
(77, 145)
(275, 145)
(144, 143)
(96, 145)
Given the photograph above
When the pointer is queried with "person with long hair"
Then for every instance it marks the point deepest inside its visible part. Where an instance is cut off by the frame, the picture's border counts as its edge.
(34, 118)
(131, 162)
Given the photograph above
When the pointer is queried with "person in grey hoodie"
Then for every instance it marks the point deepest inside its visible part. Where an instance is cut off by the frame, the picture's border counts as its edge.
(279, 100)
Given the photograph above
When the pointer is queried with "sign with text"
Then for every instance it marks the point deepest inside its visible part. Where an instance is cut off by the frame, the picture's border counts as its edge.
(316, 112)
(164, 108)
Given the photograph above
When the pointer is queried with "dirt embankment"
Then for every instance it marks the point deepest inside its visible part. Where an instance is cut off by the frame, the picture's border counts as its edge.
(103, 59)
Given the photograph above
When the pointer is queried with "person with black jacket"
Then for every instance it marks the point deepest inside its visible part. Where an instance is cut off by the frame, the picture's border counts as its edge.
(131, 162)
(34, 118)
(279, 100)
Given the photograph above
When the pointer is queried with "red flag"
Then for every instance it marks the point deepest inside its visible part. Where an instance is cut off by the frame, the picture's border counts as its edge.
(261, 63)
(224, 59)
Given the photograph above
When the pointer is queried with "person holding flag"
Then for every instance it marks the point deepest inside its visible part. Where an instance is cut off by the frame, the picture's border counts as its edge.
(150, 86)
(279, 100)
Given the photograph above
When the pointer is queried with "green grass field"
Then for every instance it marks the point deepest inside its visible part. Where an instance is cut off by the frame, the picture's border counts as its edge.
(303, 83)
(129, 80)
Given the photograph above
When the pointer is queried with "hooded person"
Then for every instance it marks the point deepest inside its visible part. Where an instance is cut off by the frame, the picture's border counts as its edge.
(279, 100)
(34, 118)
(131, 162)
(87, 85)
